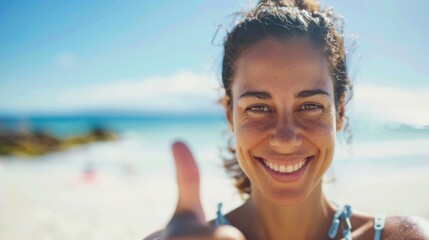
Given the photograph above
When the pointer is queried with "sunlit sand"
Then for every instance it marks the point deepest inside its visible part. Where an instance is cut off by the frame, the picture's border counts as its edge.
(68, 203)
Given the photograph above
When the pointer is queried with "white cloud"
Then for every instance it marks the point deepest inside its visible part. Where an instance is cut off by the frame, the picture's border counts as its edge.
(392, 104)
(188, 92)
(182, 92)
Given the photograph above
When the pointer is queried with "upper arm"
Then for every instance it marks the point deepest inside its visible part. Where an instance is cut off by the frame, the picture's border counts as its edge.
(405, 227)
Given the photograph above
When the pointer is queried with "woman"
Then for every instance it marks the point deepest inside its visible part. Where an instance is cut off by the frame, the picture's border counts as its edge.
(286, 86)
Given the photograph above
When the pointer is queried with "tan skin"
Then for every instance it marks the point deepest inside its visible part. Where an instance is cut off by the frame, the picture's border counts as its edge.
(277, 124)
(283, 111)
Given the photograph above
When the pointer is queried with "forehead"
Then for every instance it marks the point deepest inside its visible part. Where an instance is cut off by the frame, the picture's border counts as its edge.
(294, 63)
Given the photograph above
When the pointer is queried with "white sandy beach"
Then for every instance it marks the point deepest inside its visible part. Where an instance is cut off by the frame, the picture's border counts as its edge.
(50, 204)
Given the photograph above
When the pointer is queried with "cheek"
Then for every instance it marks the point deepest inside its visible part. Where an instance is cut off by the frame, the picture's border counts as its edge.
(248, 134)
(321, 134)
(321, 130)
(252, 130)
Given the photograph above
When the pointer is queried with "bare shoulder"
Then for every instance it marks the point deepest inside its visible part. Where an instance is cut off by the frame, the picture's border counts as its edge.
(405, 227)
(154, 236)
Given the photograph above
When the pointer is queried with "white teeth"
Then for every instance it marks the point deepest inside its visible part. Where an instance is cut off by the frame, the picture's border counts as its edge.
(289, 168)
(276, 167)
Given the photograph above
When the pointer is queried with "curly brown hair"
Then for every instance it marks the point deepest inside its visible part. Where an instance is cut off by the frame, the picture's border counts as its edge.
(284, 19)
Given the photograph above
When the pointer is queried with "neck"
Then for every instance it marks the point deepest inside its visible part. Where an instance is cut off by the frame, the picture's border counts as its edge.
(309, 219)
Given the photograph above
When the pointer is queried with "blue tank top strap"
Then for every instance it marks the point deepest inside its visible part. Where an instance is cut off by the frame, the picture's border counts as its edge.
(343, 213)
(220, 218)
(378, 225)
(341, 218)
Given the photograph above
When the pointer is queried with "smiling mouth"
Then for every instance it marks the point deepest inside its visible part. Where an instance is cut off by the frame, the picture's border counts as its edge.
(285, 168)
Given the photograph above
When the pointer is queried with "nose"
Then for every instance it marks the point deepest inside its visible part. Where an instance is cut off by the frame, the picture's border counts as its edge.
(285, 135)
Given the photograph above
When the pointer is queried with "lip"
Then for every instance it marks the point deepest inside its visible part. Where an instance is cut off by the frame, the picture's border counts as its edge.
(286, 177)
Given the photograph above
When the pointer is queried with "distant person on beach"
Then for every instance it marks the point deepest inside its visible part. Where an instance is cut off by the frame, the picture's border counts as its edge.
(286, 83)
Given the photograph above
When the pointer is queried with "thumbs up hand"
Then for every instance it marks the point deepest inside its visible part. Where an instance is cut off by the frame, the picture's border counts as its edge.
(188, 221)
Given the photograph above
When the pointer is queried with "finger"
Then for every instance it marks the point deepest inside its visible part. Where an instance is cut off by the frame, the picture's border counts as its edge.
(188, 181)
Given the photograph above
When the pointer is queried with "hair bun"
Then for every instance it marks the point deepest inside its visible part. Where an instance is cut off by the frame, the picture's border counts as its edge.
(308, 5)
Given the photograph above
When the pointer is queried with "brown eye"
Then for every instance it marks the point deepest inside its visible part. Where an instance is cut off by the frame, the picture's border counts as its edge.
(311, 107)
(258, 109)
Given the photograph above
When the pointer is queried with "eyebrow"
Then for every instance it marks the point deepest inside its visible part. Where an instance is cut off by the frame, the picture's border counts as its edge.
(266, 95)
(256, 94)
(310, 93)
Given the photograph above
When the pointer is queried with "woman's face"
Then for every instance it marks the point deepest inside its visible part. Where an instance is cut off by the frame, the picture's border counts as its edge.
(283, 118)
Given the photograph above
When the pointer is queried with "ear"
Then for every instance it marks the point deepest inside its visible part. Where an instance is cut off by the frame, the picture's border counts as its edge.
(340, 113)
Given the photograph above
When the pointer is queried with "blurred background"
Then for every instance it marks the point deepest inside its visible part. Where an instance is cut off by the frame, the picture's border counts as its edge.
(92, 94)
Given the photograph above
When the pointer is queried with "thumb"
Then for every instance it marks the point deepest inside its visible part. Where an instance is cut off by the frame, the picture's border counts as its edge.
(188, 182)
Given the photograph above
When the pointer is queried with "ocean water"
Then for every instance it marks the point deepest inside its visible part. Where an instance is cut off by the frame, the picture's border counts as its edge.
(144, 144)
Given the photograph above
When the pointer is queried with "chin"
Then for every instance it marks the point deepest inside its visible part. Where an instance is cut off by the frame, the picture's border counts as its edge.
(284, 197)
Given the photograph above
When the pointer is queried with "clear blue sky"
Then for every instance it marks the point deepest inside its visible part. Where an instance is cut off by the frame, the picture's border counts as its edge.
(54, 55)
